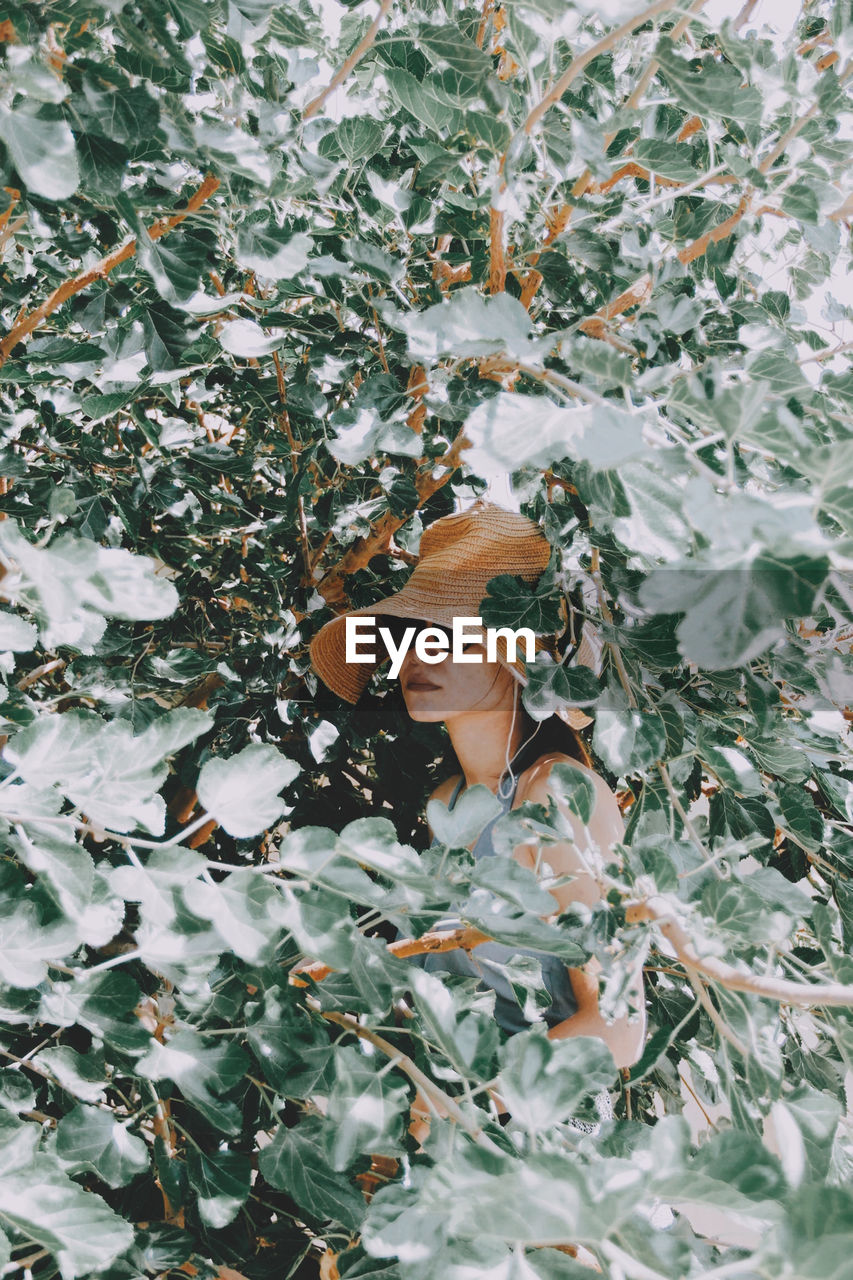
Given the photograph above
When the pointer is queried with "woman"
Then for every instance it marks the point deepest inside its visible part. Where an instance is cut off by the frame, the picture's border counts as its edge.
(496, 745)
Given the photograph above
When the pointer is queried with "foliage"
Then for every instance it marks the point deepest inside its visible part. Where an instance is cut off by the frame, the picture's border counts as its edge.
(259, 330)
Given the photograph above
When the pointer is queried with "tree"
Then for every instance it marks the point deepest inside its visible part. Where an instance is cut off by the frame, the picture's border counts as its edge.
(274, 295)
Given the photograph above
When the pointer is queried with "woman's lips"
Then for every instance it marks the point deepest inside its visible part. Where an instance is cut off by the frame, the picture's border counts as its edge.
(420, 684)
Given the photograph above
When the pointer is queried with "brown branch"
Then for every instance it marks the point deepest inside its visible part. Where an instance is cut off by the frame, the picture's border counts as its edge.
(440, 1100)
(37, 674)
(442, 273)
(429, 944)
(417, 388)
(745, 14)
(659, 911)
(687, 130)
(578, 64)
(346, 67)
(488, 6)
(827, 353)
(640, 290)
(798, 125)
(7, 228)
(497, 256)
(26, 324)
(362, 551)
(582, 185)
(560, 221)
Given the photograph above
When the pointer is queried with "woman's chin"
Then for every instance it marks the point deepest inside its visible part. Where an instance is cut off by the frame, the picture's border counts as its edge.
(419, 709)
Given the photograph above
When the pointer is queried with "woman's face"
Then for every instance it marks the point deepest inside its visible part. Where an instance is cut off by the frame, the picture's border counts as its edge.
(441, 690)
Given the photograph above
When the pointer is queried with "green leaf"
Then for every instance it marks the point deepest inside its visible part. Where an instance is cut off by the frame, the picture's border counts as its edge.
(27, 944)
(174, 263)
(733, 613)
(247, 340)
(204, 1074)
(76, 1226)
(67, 868)
(510, 431)
(16, 634)
(74, 585)
(677, 313)
(42, 149)
(247, 911)
(543, 1081)
(358, 137)
(470, 325)
(737, 909)
(447, 45)
(101, 407)
(458, 827)
(82, 1075)
(712, 89)
(373, 843)
(222, 1182)
(241, 793)
(295, 1162)
(552, 685)
(106, 769)
(733, 768)
(272, 254)
(574, 787)
(88, 1138)
(364, 1110)
(511, 602)
(103, 164)
(669, 159)
(375, 261)
(416, 98)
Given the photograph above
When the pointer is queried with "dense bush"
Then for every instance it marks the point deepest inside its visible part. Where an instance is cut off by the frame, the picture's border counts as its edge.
(258, 331)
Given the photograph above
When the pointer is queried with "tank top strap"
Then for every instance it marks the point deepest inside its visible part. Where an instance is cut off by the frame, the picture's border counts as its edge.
(456, 791)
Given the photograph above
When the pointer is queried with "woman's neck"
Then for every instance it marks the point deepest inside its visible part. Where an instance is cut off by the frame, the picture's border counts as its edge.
(480, 742)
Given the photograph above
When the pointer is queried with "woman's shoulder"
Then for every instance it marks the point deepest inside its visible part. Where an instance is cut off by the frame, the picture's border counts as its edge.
(534, 783)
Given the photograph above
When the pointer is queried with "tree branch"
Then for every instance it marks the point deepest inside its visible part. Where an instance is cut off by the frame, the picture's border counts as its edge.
(497, 256)
(431, 1091)
(659, 911)
(363, 550)
(26, 324)
(578, 64)
(316, 104)
(428, 944)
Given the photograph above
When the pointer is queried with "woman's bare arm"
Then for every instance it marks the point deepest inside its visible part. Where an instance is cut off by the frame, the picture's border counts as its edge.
(624, 1037)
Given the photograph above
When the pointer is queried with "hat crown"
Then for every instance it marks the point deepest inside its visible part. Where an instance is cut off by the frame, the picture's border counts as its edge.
(486, 540)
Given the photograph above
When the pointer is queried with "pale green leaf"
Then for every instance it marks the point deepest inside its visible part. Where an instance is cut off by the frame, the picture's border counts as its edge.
(241, 793)
(92, 1139)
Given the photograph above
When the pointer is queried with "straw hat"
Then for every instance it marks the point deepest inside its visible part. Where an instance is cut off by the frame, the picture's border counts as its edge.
(459, 554)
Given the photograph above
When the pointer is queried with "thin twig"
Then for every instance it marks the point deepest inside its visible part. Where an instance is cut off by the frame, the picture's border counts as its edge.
(26, 324)
(578, 64)
(716, 1017)
(316, 104)
(604, 607)
(435, 1096)
(683, 815)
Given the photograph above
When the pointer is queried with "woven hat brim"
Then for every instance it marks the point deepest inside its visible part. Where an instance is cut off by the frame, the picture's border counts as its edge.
(459, 555)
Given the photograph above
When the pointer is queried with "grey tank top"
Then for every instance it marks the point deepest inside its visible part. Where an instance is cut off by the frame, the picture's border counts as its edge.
(508, 1012)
